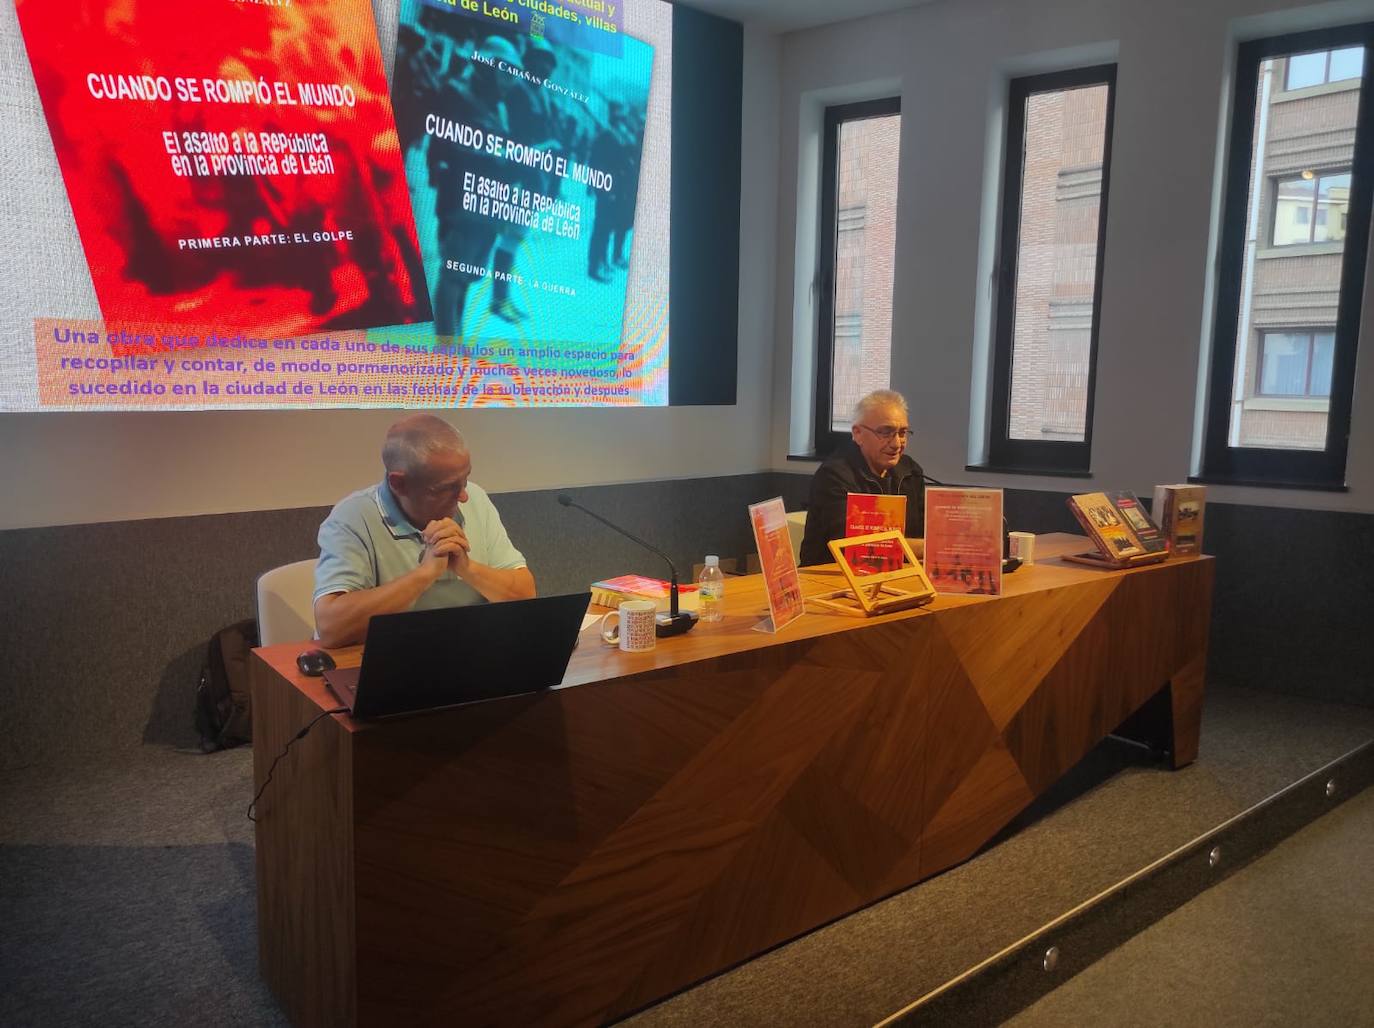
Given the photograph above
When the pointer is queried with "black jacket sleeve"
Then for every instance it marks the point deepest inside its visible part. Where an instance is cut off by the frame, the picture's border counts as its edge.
(824, 514)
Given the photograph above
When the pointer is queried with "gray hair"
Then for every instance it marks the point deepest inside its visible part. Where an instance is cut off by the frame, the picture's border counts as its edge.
(411, 441)
(878, 400)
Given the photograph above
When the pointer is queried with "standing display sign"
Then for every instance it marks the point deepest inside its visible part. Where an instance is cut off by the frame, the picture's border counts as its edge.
(964, 540)
(774, 543)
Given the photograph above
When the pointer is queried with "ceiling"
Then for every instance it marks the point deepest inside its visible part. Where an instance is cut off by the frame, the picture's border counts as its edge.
(787, 15)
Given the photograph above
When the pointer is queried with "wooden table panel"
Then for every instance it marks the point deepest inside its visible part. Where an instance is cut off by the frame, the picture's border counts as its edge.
(570, 857)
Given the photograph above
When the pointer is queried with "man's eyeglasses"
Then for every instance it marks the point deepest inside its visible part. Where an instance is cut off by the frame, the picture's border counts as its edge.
(887, 433)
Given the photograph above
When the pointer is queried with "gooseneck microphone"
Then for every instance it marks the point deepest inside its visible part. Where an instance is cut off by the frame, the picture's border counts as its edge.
(676, 621)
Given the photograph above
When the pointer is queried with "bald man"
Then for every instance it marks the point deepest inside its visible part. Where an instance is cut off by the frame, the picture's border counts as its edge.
(423, 537)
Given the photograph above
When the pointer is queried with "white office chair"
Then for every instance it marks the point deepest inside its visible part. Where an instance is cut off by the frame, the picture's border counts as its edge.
(286, 610)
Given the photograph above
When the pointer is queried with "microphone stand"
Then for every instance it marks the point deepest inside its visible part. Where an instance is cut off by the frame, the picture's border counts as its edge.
(675, 621)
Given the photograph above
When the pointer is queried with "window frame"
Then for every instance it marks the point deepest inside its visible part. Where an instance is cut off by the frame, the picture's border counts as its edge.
(1041, 455)
(1326, 73)
(1311, 334)
(1269, 466)
(1276, 181)
(827, 440)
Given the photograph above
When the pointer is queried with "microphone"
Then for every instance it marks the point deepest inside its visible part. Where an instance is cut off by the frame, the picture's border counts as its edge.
(675, 622)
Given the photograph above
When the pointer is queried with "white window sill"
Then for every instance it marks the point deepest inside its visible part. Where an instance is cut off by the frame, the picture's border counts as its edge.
(1305, 404)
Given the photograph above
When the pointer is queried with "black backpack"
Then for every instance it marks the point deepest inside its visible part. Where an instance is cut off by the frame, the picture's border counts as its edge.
(224, 714)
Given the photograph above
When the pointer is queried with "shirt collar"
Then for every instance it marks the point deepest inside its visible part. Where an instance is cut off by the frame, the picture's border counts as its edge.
(392, 516)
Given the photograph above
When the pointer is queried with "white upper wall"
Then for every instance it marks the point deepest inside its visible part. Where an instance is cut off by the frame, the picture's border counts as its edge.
(952, 59)
(83, 468)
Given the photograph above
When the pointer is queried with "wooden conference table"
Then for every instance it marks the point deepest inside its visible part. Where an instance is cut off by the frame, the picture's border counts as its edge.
(571, 856)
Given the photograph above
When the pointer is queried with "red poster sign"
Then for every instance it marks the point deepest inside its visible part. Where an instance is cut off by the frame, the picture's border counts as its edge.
(964, 540)
(774, 542)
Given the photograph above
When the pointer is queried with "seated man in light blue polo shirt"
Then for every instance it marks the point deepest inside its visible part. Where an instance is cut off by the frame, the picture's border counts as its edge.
(423, 537)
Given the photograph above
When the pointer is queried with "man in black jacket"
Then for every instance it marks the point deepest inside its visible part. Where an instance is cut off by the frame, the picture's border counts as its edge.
(873, 461)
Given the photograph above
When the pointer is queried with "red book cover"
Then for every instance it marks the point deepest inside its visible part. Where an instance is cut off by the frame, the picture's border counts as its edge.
(231, 166)
(964, 540)
(641, 585)
(866, 513)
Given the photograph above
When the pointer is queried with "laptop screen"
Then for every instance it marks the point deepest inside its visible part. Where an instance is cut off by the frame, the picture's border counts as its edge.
(436, 658)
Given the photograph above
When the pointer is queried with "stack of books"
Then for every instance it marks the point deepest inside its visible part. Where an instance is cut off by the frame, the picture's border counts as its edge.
(614, 591)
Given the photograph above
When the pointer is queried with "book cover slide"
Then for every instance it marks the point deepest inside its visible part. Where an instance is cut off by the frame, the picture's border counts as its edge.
(232, 166)
(866, 513)
(1104, 525)
(963, 539)
(1142, 526)
(523, 142)
(774, 542)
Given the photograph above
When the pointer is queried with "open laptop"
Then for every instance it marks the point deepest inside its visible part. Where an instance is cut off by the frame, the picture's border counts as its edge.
(437, 658)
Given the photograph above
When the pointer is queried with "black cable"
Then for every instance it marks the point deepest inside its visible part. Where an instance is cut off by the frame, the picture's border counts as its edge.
(287, 749)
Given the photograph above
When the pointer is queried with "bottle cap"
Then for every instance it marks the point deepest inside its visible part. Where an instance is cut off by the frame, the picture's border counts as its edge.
(712, 561)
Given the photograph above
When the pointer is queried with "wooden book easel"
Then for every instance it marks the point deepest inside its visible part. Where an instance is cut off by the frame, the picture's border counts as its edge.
(875, 594)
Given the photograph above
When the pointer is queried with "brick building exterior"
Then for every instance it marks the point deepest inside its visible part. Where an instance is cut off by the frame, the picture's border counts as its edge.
(1056, 266)
(1299, 191)
(865, 242)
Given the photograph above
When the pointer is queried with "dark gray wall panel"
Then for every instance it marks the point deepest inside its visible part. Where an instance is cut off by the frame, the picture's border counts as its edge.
(105, 626)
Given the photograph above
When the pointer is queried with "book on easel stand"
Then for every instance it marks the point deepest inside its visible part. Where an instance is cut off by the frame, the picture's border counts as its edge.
(869, 594)
(868, 514)
(1124, 534)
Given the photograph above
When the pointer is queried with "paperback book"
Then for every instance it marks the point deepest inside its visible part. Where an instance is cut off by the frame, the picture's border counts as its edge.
(1179, 510)
(1119, 527)
(611, 592)
(867, 514)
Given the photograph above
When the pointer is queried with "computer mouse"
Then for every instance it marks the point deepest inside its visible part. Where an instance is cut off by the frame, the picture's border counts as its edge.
(314, 662)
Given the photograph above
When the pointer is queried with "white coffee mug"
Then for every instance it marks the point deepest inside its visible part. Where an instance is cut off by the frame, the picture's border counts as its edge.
(1022, 546)
(633, 627)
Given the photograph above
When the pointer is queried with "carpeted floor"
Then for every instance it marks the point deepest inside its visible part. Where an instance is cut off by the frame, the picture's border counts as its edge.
(1288, 940)
(127, 896)
(1115, 813)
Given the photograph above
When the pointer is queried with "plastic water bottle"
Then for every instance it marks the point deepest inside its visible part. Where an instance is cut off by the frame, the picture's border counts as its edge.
(710, 590)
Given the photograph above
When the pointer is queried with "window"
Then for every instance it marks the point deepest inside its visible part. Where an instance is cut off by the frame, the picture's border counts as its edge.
(1294, 239)
(1311, 208)
(858, 239)
(1295, 363)
(1054, 204)
(1324, 66)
